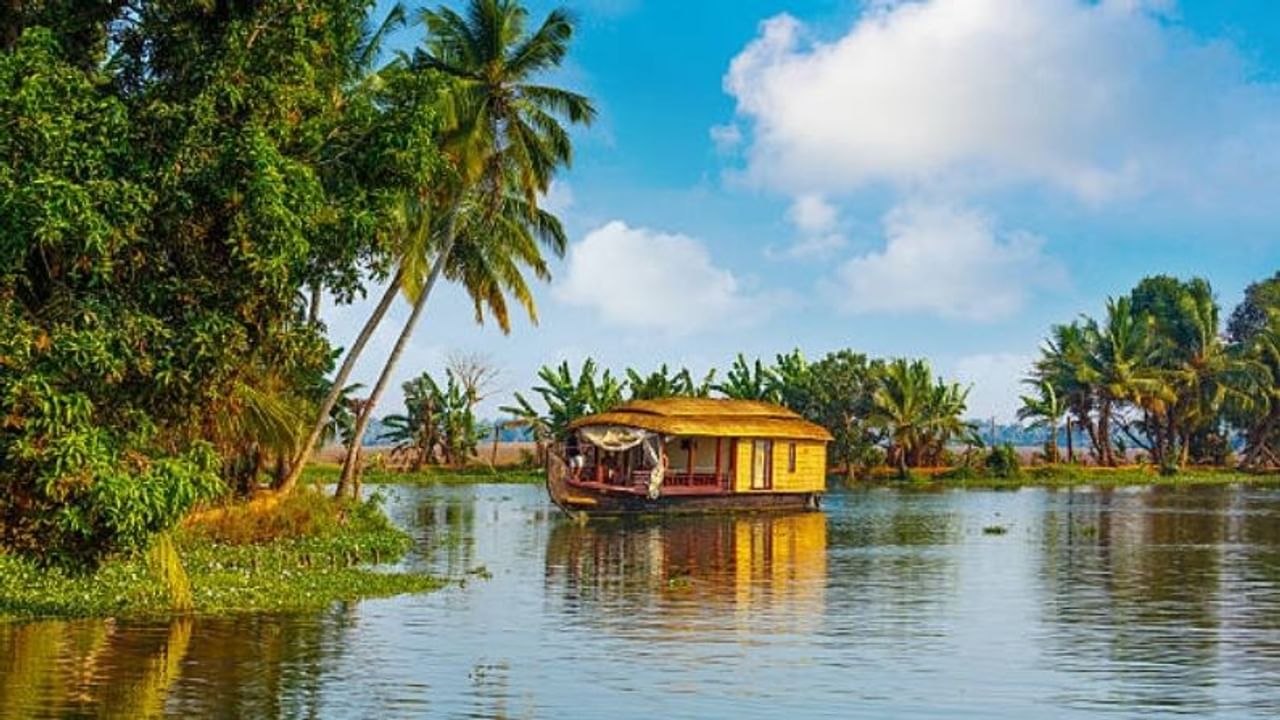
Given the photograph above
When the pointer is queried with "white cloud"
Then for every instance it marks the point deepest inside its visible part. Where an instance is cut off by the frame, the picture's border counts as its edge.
(1102, 99)
(642, 278)
(948, 261)
(996, 380)
(811, 213)
(815, 246)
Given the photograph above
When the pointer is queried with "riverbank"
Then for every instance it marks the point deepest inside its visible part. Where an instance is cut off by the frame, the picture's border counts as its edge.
(327, 473)
(1063, 476)
(305, 553)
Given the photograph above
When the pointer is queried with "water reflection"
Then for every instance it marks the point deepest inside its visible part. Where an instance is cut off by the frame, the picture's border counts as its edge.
(1136, 602)
(89, 668)
(693, 575)
(1147, 587)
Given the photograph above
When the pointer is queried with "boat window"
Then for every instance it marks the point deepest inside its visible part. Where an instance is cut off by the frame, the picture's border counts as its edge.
(791, 457)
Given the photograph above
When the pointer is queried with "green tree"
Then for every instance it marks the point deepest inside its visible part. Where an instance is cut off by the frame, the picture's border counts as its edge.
(748, 381)
(164, 206)
(900, 405)
(838, 393)
(566, 398)
(438, 425)
(1044, 410)
(1120, 366)
(504, 140)
(1253, 314)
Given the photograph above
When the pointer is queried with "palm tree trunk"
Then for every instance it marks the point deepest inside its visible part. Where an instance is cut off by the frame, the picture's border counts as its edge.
(350, 468)
(1107, 457)
(344, 373)
(1071, 450)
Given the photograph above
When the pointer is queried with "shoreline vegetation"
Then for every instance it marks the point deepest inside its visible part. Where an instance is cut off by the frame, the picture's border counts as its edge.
(304, 552)
(1064, 476)
(330, 473)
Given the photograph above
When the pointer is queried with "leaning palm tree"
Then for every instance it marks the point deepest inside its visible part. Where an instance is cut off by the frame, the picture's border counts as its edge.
(364, 78)
(504, 141)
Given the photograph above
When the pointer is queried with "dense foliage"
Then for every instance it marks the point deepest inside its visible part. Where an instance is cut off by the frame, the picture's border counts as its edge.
(874, 409)
(1157, 373)
(177, 176)
(439, 424)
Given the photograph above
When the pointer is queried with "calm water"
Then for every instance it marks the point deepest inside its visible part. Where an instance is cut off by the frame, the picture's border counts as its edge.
(1126, 603)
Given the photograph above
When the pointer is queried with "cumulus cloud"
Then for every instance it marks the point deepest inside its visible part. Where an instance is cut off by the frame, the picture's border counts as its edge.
(1101, 99)
(812, 214)
(646, 279)
(996, 380)
(945, 260)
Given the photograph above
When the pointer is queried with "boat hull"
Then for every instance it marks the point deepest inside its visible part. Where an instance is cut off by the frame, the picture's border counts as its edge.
(575, 498)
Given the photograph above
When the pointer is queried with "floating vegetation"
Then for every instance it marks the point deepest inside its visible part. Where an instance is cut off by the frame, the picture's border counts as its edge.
(231, 566)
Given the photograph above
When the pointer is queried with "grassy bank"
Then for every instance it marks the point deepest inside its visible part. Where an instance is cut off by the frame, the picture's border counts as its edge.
(302, 554)
(326, 473)
(1077, 475)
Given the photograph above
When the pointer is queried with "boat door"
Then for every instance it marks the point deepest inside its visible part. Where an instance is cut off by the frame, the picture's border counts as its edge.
(761, 464)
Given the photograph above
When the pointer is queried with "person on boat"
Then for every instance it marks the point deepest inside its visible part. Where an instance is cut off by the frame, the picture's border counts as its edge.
(573, 454)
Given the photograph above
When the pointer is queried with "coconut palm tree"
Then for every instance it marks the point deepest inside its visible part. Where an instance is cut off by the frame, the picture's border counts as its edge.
(504, 140)
(364, 77)
(1120, 365)
(1254, 407)
(901, 407)
(1062, 366)
(1044, 410)
(944, 421)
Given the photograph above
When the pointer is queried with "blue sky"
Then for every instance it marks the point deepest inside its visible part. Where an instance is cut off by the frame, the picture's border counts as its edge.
(942, 178)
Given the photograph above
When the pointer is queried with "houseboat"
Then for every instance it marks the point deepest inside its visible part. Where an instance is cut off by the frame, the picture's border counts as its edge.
(690, 455)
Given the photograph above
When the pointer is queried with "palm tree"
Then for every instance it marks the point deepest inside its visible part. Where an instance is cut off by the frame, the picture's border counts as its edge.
(364, 77)
(504, 140)
(901, 407)
(1062, 366)
(1044, 411)
(944, 421)
(1120, 365)
(1203, 374)
(1254, 407)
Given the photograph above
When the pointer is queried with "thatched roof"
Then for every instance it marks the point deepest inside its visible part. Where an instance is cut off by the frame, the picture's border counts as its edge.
(709, 418)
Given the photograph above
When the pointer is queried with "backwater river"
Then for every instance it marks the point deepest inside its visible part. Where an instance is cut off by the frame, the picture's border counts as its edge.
(901, 603)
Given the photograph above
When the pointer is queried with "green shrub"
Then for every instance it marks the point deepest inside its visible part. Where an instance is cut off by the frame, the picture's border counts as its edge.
(1002, 462)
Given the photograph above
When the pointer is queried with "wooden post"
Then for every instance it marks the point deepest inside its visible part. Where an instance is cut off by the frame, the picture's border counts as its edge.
(688, 465)
(719, 480)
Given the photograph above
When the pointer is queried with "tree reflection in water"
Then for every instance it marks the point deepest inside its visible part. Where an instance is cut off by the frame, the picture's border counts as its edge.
(1136, 586)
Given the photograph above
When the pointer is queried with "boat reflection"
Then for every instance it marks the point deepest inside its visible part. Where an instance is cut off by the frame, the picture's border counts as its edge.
(693, 574)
